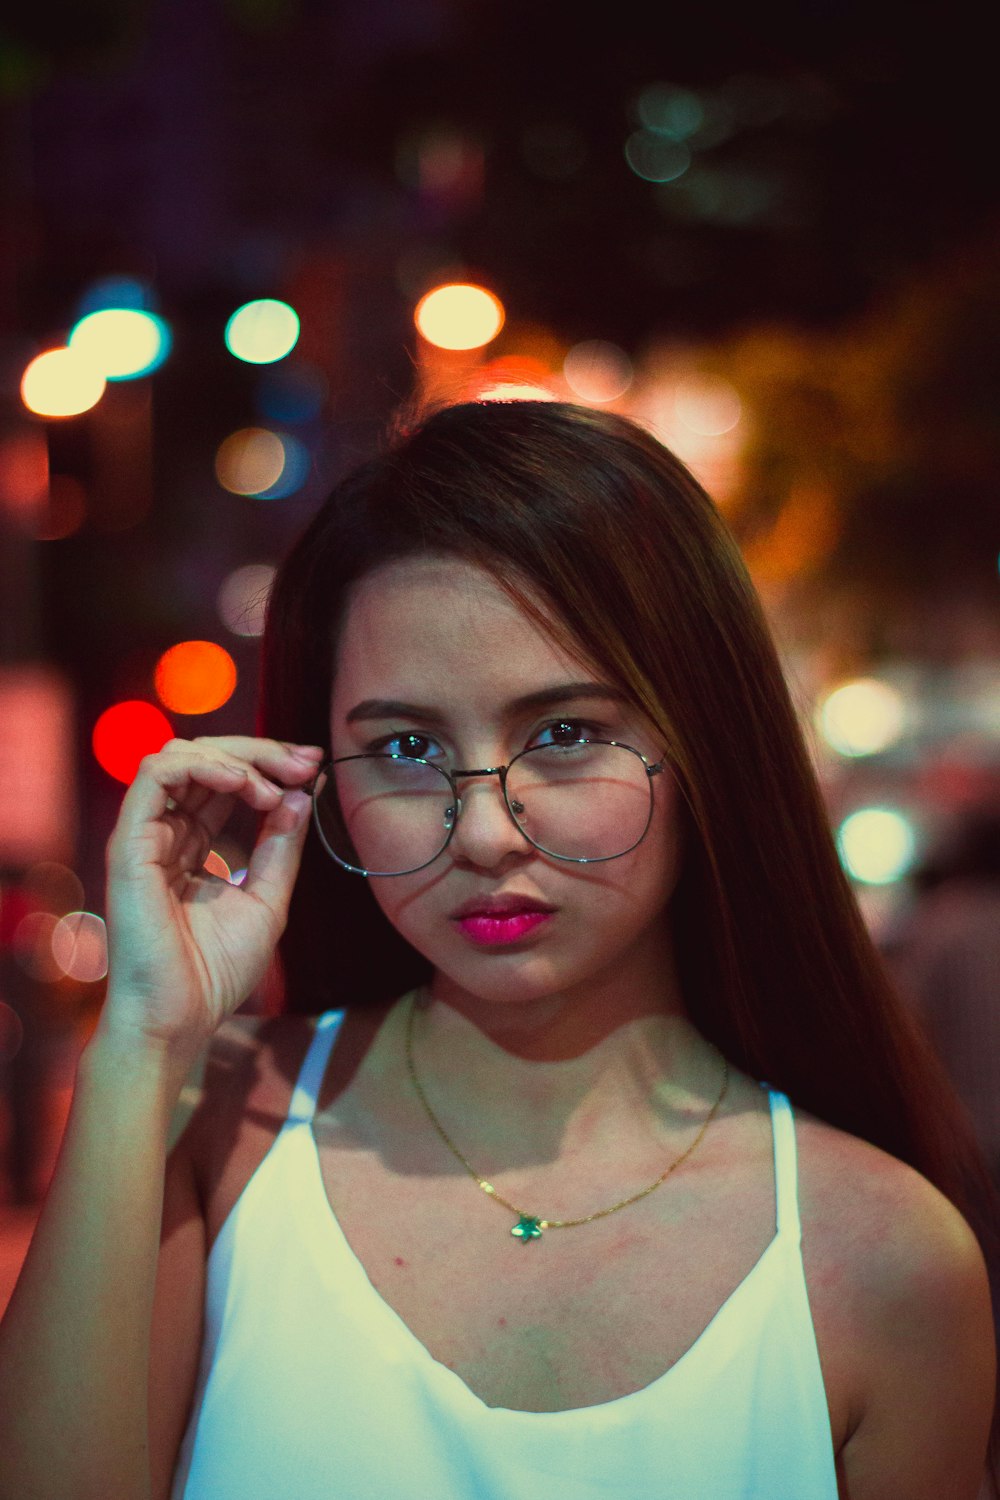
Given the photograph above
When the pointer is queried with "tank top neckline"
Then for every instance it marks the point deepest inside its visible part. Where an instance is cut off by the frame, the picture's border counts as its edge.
(299, 1124)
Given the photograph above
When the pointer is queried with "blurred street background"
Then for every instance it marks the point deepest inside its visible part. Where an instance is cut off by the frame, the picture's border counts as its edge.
(236, 235)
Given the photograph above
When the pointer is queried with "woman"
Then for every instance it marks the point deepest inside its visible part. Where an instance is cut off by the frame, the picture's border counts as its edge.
(538, 1213)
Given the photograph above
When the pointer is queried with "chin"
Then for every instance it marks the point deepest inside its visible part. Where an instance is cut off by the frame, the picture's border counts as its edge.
(508, 980)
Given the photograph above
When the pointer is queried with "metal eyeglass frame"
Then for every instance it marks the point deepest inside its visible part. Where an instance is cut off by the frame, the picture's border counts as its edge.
(452, 778)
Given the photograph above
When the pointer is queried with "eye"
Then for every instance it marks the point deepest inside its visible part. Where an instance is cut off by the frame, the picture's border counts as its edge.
(407, 743)
(565, 731)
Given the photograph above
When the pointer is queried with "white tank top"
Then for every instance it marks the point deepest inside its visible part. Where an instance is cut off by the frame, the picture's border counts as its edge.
(311, 1387)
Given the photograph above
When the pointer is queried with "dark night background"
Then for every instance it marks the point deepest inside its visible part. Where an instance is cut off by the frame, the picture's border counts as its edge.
(831, 251)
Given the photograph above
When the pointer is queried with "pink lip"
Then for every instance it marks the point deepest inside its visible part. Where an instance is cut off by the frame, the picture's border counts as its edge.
(488, 932)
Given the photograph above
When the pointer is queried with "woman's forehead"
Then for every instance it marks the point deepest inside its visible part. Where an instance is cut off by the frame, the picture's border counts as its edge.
(444, 631)
(441, 609)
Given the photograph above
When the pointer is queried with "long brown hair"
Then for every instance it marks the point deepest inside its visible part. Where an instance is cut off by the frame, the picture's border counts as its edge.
(586, 511)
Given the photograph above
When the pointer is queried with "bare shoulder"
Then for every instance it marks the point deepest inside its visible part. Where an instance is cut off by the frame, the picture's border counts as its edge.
(891, 1230)
(903, 1318)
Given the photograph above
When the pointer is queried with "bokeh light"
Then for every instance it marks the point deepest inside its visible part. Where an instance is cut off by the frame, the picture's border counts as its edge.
(115, 291)
(80, 946)
(296, 466)
(656, 158)
(242, 599)
(707, 404)
(216, 865)
(262, 331)
(861, 717)
(459, 316)
(61, 383)
(195, 677)
(876, 845)
(126, 732)
(250, 461)
(32, 946)
(24, 474)
(597, 371)
(670, 111)
(123, 343)
(63, 511)
(54, 887)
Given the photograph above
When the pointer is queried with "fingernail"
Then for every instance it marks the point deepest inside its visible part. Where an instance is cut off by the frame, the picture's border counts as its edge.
(308, 752)
(296, 802)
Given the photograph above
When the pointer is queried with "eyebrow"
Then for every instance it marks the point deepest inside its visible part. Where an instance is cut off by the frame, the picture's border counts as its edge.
(564, 692)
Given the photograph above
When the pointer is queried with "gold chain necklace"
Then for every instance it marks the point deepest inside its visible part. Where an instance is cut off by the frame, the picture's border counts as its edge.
(529, 1226)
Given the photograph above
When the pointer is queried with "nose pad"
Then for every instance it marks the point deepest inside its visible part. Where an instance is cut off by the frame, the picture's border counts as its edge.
(487, 832)
(517, 808)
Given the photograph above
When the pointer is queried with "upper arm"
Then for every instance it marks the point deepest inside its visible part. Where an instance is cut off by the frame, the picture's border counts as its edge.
(176, 1330)
(929, 1356)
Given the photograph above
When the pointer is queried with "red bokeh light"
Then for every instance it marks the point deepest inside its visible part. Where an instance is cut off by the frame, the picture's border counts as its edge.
(125, 733)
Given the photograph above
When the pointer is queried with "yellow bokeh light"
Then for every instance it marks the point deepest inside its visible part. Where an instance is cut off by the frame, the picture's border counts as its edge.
(250, 461)
(262, 331)
(122, 342)
(862, 717)
(459, 316)
(876, 845)
(195, 677)
(61, 383)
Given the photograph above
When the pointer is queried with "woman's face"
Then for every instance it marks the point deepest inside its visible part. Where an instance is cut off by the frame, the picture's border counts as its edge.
(438, 635)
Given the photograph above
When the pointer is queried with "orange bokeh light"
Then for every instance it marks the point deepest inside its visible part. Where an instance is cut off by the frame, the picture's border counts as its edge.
(459, 316)
(125, 733)
(195, 677)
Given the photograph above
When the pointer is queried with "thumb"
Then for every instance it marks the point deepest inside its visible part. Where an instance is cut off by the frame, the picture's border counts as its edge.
(274, 862)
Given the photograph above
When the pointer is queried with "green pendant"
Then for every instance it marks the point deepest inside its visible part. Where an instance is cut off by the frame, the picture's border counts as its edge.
(527, 1229)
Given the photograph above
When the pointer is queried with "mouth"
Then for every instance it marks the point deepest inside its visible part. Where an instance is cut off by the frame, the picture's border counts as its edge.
(491, 929)
(505, 904)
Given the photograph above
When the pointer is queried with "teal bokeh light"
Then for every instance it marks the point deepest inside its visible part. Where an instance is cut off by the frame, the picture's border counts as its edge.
(263, 331)
(116, 291)
(295, 470)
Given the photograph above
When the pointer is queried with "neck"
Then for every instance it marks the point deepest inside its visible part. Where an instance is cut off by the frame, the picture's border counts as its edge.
(541, 1077)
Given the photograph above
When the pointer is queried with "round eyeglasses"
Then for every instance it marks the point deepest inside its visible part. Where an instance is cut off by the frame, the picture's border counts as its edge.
(584, 800)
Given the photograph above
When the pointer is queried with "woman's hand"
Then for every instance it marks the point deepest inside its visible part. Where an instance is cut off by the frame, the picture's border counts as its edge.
(186, 948)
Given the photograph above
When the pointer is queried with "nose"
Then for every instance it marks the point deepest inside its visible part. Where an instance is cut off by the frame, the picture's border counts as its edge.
(485, 833)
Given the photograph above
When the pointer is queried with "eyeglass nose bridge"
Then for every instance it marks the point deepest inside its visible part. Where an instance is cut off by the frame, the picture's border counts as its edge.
(516, 808)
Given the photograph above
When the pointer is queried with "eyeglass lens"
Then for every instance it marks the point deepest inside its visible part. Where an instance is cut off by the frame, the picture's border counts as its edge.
(387, 815)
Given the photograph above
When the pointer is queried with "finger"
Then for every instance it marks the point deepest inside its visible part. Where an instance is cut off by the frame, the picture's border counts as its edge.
(273, 757)
(181, 774)
(158, 789)
(280, 765)
(275, 859)
(190, 794)
(184, 845)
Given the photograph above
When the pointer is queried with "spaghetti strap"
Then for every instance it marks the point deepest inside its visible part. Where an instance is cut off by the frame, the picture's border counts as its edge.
(307, 1085)
(785, 1167)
